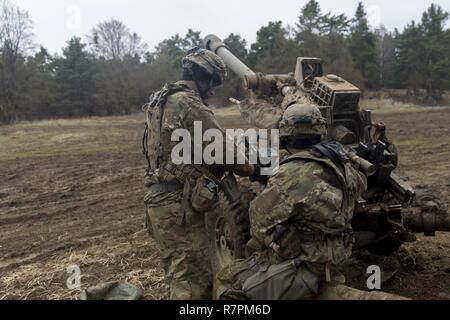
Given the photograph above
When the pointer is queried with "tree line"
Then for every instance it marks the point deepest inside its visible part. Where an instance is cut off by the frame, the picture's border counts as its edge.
(112, 71)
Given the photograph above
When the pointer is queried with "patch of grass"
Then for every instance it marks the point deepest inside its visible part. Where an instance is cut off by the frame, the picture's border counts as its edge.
(69, 137)
(129, 262)
(388, 105)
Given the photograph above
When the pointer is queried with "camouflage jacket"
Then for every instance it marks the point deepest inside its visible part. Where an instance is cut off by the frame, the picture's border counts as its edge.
(179, 109)
(311, 200)
(267, 113)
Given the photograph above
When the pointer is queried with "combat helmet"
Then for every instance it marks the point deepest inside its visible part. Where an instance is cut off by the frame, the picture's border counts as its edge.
(208, 62)
(303, 120)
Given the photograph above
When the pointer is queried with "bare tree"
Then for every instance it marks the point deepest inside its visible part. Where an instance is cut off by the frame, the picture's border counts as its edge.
(16, 41)
(16, 33)
(113, 40)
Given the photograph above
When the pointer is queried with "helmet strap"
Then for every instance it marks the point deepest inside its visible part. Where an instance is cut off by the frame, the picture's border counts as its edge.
(201, 90)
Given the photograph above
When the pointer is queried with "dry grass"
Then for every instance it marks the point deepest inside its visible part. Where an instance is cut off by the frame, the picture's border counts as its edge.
(69, 137)
(93, 122)
(382, 105)
(387, 105)
(128, 262)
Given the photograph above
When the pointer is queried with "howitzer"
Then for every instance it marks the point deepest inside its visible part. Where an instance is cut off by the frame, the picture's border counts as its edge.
(383, 219)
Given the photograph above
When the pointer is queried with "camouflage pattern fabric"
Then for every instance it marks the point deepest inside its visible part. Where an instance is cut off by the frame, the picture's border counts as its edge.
(230, 280)
(266, 113)
(261, 113)
(209, 62)
(184, 248)
(177, 227)
(182, 109)
(313, 199)
(302, 119)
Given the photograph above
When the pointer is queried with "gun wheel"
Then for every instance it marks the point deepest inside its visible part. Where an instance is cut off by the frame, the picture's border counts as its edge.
(224, 246)
(386, 247)
(228, 230)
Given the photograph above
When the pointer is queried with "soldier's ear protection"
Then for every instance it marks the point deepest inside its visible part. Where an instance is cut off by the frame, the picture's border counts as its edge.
(216, 81)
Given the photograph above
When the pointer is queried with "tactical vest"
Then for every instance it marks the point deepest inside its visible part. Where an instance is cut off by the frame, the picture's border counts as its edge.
(155, 114)
(339, 241)
(345, 173)
(290, 227)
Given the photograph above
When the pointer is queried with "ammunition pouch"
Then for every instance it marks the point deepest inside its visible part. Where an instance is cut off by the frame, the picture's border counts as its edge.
(148, 224)
(204, 196)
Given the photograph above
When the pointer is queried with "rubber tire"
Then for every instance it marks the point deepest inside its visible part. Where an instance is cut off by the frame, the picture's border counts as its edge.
(386, 247)
(236, 216)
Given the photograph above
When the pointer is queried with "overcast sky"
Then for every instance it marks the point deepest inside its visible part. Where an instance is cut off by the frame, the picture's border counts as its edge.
(56, 21)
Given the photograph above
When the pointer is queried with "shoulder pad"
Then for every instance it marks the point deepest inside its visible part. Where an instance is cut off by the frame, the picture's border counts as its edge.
(311, 156)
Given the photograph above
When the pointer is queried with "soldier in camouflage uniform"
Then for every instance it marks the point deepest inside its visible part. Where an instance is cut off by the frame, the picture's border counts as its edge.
(301, 223)
(179, 195)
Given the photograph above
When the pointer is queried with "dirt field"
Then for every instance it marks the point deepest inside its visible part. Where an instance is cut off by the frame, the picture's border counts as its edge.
(71, 194)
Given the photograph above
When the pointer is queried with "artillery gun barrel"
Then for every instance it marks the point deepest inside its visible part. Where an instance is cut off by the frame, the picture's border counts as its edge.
(216, 45)
(368, 168)
(253, 81)
(428, 222)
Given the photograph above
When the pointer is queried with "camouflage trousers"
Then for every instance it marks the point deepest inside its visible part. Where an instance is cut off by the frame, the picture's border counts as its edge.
(184, 249)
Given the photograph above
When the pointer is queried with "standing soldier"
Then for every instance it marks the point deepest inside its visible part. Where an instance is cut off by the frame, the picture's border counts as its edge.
(301, 223)
(179, 195)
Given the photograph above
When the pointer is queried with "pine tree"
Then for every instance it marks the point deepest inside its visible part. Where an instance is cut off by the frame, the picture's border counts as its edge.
(335, 24)
(363, 48)
(269, 39)
(423, 55)
(409, 62)
(387, 57)
(309, 28)
(38, 92)
(325, 36)
(436, 59)
(74, 74)
(310, 19)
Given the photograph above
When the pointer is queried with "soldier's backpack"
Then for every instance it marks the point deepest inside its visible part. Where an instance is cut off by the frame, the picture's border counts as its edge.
(289, 280)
